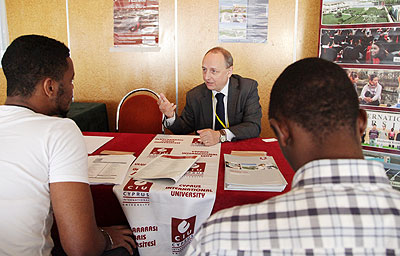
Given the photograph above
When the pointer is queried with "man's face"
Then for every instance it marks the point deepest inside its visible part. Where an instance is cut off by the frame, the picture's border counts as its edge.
(215, 72)
(65, 90)
(374, 81)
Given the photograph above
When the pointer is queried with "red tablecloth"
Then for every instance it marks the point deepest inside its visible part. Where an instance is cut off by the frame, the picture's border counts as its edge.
(109, 212)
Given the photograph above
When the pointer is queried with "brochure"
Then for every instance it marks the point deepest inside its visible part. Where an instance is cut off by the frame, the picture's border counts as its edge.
(95, 142)
(253, 173)
(248, 153)
(108, 169)
(169, 167)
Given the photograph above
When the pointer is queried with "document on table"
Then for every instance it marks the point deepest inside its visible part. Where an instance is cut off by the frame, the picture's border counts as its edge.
(253, 173)
(166, 167)
(109, 169)
(95, 142)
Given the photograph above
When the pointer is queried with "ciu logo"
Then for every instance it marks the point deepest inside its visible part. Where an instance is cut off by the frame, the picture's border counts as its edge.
(138, 185)
(182, 228)
(196, 141)
(160, 151)
(198, 167)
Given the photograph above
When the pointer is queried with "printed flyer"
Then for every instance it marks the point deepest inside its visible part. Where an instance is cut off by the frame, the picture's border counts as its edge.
(136, 23)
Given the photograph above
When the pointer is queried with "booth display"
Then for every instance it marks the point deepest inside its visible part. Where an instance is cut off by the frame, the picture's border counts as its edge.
(363, 37)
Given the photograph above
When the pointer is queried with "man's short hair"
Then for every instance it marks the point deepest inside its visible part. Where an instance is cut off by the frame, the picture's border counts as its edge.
(227, 55)
(317, 95)
(31, 58)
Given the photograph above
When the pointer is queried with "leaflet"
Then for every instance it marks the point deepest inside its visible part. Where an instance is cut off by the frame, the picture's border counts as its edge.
(256, 173)
(109, 169)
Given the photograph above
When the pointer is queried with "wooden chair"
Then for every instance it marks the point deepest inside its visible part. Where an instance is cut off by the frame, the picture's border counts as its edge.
(138, 112)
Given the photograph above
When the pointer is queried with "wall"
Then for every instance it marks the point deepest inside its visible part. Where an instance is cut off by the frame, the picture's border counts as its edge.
(104, 76)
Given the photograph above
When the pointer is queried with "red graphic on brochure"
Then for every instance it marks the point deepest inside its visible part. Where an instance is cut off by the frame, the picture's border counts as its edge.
(160, 151)
(197, 142)
(197, 168)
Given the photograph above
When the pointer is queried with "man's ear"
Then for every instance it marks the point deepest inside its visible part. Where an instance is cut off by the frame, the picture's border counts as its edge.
(281, 130)
(362, 120)
(230, 71)
(49, 87)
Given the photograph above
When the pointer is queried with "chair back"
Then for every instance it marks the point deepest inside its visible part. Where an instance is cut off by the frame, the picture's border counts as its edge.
(138, 112)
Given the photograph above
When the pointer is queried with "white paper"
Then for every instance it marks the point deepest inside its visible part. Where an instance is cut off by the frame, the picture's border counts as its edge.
(95, 142)
(270, 140)
(167, 167)
(109, 169)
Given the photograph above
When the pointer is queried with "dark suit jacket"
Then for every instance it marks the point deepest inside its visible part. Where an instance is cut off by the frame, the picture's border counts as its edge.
(244, 110)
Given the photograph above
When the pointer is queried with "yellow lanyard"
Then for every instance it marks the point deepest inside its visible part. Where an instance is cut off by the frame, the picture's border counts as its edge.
(219, 120)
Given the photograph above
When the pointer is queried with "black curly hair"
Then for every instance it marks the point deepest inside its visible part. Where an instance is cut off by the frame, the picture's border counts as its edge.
(31, 58)
(316, 94)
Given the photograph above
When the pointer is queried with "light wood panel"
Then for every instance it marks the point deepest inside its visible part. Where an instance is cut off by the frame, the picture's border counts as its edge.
(34, 17)
(104, 76)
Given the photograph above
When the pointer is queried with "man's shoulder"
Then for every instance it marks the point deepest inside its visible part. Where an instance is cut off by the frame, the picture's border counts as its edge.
(199, 90)
(243, 83)
(242, 79)
(57, 122)
(226, 215)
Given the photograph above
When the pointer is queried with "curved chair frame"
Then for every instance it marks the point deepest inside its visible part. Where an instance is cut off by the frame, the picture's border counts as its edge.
(129, 94)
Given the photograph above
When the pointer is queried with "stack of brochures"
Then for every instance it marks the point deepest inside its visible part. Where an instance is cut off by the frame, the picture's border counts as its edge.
(253, 173)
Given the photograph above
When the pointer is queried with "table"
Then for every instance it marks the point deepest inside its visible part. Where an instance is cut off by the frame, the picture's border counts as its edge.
(109, 212)
(89, 116)
(104, 197)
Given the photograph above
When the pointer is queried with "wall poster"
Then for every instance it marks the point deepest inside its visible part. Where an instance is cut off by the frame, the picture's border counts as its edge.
(243, 21)
(136, 23)
(364, 38)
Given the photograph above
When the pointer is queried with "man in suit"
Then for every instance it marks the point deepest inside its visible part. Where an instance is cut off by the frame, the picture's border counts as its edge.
(224, 108)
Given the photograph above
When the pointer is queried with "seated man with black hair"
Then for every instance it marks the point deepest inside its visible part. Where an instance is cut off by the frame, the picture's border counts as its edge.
(43, 159)
(339, 203)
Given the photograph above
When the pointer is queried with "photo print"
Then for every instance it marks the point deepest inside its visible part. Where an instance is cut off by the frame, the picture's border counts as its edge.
(376, 87)
(340, 12)
(361, 46)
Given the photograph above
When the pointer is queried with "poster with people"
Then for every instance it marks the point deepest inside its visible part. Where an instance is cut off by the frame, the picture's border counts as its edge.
(363, 37)
(383, 131)
(341, 12)
(376, 87)
(361, 46)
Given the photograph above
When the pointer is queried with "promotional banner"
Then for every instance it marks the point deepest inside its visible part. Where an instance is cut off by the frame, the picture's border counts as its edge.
(163, 214)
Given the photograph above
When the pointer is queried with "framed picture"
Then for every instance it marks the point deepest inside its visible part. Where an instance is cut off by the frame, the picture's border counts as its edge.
(361, 46)
(383, 131)
(377, 87)
(340, 12)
